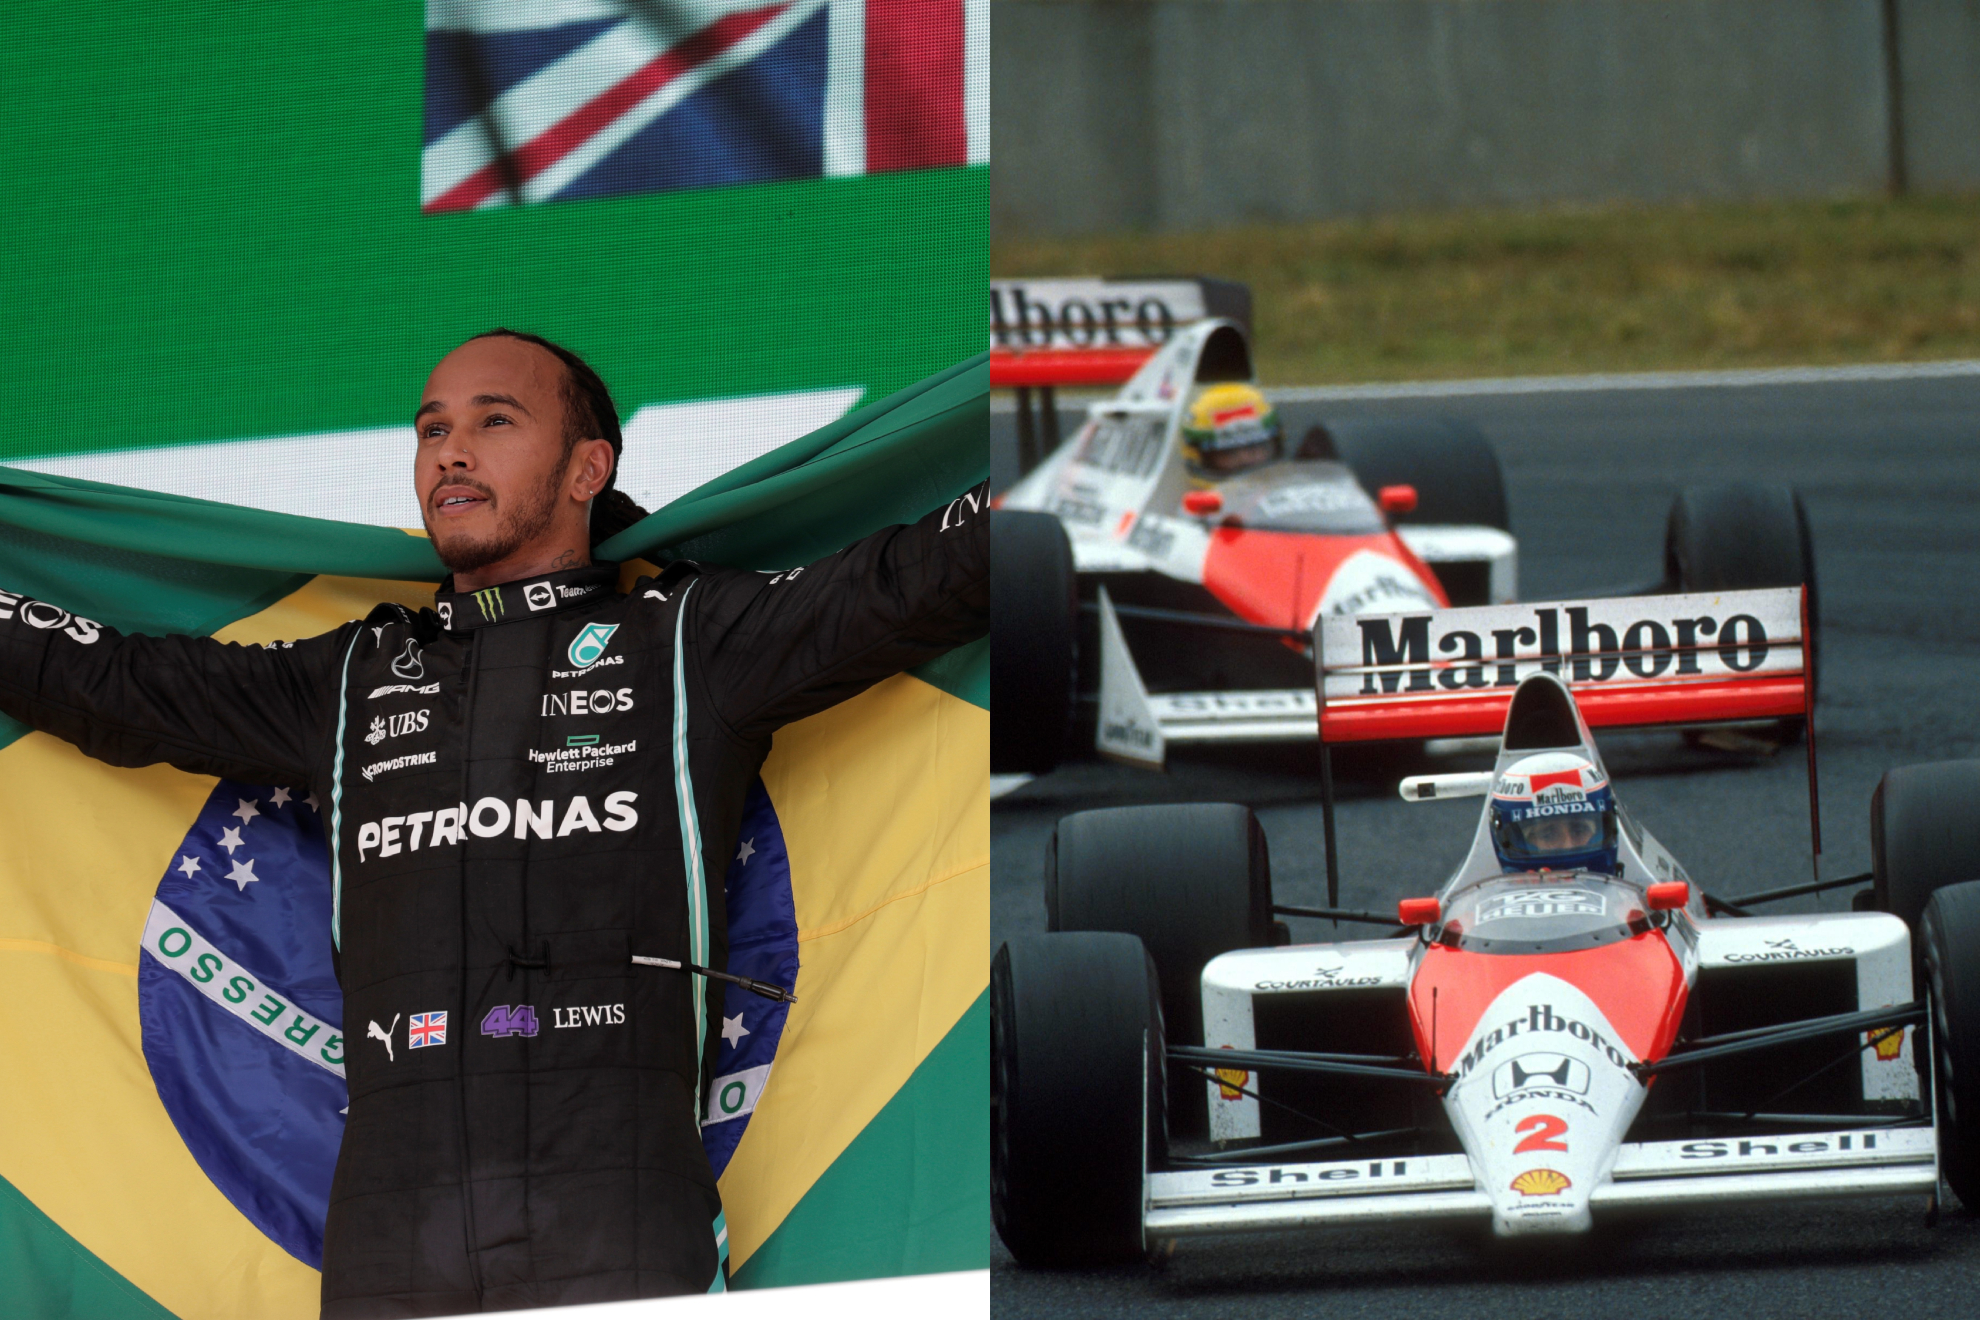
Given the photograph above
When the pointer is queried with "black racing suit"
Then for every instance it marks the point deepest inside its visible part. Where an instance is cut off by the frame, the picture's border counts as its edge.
(524, 787)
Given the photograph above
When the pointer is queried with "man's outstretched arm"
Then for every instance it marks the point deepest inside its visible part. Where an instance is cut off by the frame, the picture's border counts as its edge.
(778, 647)
(215, 708)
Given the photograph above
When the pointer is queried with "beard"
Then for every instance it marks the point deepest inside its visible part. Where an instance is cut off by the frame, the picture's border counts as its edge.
(515, 528)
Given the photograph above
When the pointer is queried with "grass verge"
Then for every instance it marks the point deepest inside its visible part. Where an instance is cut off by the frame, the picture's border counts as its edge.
(1619, 289)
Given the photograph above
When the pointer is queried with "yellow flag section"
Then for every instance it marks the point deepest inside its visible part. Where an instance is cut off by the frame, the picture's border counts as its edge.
(893, 924)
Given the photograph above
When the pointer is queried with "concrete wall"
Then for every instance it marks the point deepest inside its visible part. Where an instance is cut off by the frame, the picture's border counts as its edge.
(1184, 114)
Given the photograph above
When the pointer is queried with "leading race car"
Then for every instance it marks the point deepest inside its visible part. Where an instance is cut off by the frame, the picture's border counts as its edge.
(1160, 572)
(1568, 1029)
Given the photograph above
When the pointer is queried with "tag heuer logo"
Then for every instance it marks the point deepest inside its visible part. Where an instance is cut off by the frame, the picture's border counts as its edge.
(539, 596)
(591, 643)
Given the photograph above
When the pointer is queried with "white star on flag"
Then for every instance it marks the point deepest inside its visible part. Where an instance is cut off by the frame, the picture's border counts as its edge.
(311, 801)
(243, 873)
(733, 1030)
(247, 811)
(230, 840)
(743, 853)
(188, 866)
(280, 796)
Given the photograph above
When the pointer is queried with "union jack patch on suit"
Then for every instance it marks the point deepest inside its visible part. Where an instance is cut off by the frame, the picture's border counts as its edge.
(546, 100)
(426, 1029)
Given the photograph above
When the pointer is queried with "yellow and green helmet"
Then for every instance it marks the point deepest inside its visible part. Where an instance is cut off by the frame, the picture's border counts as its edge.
(1230, 428)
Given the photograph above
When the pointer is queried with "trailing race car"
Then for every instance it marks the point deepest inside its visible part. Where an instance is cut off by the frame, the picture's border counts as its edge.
(1164, 568)
(1570, 1028)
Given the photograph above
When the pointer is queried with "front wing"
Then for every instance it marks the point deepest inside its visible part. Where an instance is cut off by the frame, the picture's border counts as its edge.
(1662, 1175)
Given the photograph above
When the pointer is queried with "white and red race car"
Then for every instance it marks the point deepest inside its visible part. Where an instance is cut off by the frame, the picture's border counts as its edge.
(1536, 1049)
(1153, 606)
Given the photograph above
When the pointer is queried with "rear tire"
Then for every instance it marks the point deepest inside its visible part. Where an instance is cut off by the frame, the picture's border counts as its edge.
(1924, 834)
(1190, 881)
(1034, 640)
(1949, 938)
(1076, 1115)
(1450, 462)
(1742, 535)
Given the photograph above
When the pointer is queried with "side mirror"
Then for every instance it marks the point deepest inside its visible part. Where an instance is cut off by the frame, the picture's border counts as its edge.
(1396, 499)
(1667, 896)
(1418, 911)
(1205, 503)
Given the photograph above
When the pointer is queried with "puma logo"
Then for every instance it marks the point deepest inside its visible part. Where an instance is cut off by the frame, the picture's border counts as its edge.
(384, 1034)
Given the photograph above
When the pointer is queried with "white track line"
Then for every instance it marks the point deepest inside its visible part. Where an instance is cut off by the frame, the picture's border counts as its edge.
(1642, 380)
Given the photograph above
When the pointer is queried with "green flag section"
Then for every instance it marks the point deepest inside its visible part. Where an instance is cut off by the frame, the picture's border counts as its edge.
(850, 1224)
(49, 1273)
(865, 1151)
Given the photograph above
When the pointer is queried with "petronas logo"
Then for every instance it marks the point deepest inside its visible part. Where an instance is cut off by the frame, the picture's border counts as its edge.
(591, 643)
(490, 601)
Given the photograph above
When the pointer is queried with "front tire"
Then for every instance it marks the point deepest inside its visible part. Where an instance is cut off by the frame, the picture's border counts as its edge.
(1189, 881)
(1949, 938)
(1924, 834)
(1034, 641)
(1076, 1096)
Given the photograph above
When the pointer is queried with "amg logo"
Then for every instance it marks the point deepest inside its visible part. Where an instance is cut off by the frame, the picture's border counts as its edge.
(1398, 654)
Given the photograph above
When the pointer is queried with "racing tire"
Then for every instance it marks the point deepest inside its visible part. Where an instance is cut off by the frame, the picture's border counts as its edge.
(1076, 1096)
(1924, 835)
(1450, 462)
(1034, 642)
(1949, 939)
(1190, 881)
(1740, 535)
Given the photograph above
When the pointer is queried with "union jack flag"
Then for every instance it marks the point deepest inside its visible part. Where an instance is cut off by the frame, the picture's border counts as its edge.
(426, 1029)
(544, 100)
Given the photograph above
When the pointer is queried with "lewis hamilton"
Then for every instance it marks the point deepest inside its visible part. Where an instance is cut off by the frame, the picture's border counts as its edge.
(526, 787)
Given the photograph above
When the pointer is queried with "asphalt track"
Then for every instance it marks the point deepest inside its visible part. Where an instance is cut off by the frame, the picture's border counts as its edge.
(1890, 471)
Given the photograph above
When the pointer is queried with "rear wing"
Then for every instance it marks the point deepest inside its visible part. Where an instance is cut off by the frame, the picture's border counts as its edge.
(1052, 333)
(1633, 661)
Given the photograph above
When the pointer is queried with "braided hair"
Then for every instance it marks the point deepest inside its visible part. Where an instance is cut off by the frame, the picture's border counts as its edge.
(589, 414)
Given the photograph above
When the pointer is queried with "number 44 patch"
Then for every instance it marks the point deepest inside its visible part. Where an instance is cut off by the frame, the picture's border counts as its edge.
(509, 1020)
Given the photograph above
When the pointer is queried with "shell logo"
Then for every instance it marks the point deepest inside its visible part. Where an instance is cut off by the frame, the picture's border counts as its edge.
(1888, 1043)
(1541, 1182)
(1228, 1082)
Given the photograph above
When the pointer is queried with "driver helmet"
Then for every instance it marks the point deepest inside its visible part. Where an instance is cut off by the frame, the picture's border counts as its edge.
(1228, 429)
(1554, 811)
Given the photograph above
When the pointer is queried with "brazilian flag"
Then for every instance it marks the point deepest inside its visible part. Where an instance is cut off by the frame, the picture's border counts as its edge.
(166, 1138)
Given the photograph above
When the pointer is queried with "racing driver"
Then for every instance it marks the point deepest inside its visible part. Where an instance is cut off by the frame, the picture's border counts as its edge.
(1230, 429)
(476, 864)
(1554, 811)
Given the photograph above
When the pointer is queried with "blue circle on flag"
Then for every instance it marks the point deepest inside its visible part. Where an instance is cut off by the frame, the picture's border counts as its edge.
(241, 1011)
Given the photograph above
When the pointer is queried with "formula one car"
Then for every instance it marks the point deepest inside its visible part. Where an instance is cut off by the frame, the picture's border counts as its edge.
(1161, 571)
(1570, 1028)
